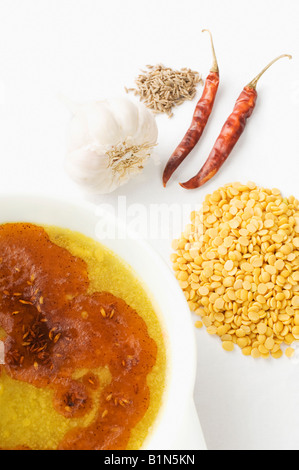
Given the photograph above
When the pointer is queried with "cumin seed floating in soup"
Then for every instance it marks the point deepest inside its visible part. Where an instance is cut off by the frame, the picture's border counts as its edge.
(80, 363)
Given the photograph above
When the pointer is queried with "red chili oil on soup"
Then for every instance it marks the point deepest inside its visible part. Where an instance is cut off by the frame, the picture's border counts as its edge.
(53, 327)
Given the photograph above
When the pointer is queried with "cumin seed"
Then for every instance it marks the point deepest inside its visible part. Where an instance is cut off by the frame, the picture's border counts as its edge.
(162, 88)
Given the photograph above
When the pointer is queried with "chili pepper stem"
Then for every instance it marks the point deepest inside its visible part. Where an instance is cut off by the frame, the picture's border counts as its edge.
(253, 82)
(215, 67)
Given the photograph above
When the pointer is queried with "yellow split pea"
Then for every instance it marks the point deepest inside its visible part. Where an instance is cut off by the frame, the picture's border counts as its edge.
(238, 265)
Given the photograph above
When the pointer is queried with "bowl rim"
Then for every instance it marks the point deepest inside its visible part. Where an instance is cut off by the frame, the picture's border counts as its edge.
(181, 351)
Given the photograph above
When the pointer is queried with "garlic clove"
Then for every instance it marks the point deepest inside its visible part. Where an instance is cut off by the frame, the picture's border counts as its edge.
(102, 126)
(91, 169)
(147, 130)
(87, 167)
(126, 114)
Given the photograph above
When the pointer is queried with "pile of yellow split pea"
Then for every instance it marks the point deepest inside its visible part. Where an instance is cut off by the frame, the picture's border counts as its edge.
(238, 265)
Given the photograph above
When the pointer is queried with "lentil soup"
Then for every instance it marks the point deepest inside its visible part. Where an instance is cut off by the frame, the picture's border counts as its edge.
(85, 359)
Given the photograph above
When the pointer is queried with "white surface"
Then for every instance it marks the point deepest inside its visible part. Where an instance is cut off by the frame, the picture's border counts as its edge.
(175, 428)
(90, 50)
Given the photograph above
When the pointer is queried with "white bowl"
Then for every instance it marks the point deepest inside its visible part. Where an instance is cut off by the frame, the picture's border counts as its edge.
(177, 426)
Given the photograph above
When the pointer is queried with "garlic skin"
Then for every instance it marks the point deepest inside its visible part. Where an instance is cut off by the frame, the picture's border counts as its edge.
(109, 142)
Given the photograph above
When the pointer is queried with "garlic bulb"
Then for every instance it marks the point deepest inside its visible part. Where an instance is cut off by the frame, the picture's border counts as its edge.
(109, 142)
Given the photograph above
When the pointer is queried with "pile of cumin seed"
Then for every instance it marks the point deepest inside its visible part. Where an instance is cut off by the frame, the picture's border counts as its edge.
(162, 88)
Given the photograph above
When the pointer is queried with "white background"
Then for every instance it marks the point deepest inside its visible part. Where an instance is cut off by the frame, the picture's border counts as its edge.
(91, 49)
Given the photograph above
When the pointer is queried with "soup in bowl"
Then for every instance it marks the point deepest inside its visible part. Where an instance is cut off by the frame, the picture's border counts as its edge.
(88, 351)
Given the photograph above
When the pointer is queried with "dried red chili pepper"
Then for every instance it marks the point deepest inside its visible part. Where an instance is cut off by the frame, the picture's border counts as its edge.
(230, 133)
(200, 118)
